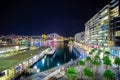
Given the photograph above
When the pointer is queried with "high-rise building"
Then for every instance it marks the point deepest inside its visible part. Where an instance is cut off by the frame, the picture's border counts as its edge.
(79, 37)
(102, 31)
(115, 28)
(96, 29)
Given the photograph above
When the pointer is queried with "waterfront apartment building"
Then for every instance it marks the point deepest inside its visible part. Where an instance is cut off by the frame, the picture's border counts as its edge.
(102, 31)
(80, 41)
(97, 28)
(79, 37)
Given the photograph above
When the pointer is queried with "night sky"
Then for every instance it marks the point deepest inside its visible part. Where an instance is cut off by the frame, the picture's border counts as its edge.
(65, 17)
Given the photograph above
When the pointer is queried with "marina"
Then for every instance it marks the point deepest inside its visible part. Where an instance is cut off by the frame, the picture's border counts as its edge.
(61, 54)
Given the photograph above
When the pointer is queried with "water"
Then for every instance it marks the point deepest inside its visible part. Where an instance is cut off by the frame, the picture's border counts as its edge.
(62, 55)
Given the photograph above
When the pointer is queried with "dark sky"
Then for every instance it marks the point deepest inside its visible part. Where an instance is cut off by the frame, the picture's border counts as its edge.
(65, 17)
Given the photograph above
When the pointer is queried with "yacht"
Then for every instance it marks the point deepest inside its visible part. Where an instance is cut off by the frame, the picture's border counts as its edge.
(51, 51)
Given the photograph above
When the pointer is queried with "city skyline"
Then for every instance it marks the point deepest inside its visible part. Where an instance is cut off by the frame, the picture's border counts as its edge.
(38, 47)
(37, 17)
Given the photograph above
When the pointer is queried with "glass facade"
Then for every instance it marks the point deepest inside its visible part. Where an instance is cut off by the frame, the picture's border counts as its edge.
(103, 29)
(96, 29)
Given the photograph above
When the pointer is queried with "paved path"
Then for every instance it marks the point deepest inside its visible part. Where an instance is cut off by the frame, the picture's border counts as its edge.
(99, 76)
(44, 74)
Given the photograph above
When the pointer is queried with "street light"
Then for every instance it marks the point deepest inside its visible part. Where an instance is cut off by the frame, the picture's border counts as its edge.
(71, 59)
(58, 64)
(38, 70)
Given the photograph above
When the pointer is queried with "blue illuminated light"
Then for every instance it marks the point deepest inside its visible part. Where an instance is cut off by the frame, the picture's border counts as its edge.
(58, 64)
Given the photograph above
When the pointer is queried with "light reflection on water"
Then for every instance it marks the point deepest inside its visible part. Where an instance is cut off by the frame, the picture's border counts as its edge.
(62, 55)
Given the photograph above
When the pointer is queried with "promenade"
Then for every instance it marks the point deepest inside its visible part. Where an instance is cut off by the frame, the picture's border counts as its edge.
(45, 75)
(52, 72)
(101, 69)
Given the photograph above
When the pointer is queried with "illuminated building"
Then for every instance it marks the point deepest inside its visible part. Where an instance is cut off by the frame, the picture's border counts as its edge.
(55, 36)
(44, 37)
(102, 31)
(80, 41)
(96, 29)
(79, 37)
(115, 28)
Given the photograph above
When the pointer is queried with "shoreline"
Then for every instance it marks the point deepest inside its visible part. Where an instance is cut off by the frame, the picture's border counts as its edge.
(49, 71)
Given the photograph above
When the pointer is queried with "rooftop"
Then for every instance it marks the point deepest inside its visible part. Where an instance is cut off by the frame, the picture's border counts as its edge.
(18, 58)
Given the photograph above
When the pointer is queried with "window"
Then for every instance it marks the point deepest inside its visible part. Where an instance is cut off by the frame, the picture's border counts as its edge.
(117, 33)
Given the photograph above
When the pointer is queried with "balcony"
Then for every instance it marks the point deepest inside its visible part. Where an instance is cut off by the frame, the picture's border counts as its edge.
(117, 37)
(117, 28)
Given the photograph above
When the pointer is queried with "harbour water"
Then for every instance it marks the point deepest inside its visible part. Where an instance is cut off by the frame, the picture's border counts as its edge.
(62, 55)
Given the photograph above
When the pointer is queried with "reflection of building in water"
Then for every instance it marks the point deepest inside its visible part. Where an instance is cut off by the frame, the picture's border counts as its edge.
(62, 44)
(44, 43)
(53, 43)
(59, 44)
(70, 49)
(51, 59)
(65, 57)
(43, 61)
(48, 61)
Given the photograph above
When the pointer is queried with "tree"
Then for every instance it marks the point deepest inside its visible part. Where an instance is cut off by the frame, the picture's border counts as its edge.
(93, 50)
(99, 52)
(107, 61)
(88, 59)
(117, 62)
(109, 75)
(97, 58)
(82, 64)
(71, 73)
(107, 53)
(89, 73)
(96, 64)
(91, 53)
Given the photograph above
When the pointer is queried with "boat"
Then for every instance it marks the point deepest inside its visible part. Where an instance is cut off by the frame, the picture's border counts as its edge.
(51, 51)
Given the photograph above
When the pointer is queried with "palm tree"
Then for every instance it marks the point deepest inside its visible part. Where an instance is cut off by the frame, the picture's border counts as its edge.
(107, 61)
(89, 73)
(109, 75)
(117, 62)
(93, 50)
(91, 53)
(82, 64)
(97, 58)
(88, 59)
(71, 73)
(96, 64)
(99, 52)
(107, 53)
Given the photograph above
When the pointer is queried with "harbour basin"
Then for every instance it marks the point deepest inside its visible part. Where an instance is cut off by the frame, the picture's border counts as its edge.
(62, 55)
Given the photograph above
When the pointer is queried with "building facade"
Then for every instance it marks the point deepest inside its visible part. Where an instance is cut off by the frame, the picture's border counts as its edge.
(102, 31)
(115, 28)
(96, 29)
(79, 37)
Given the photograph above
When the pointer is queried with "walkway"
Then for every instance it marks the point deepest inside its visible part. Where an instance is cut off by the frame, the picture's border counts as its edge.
(45, 74)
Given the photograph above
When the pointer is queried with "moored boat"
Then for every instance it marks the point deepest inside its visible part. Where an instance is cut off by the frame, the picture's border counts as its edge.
(51, 51)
